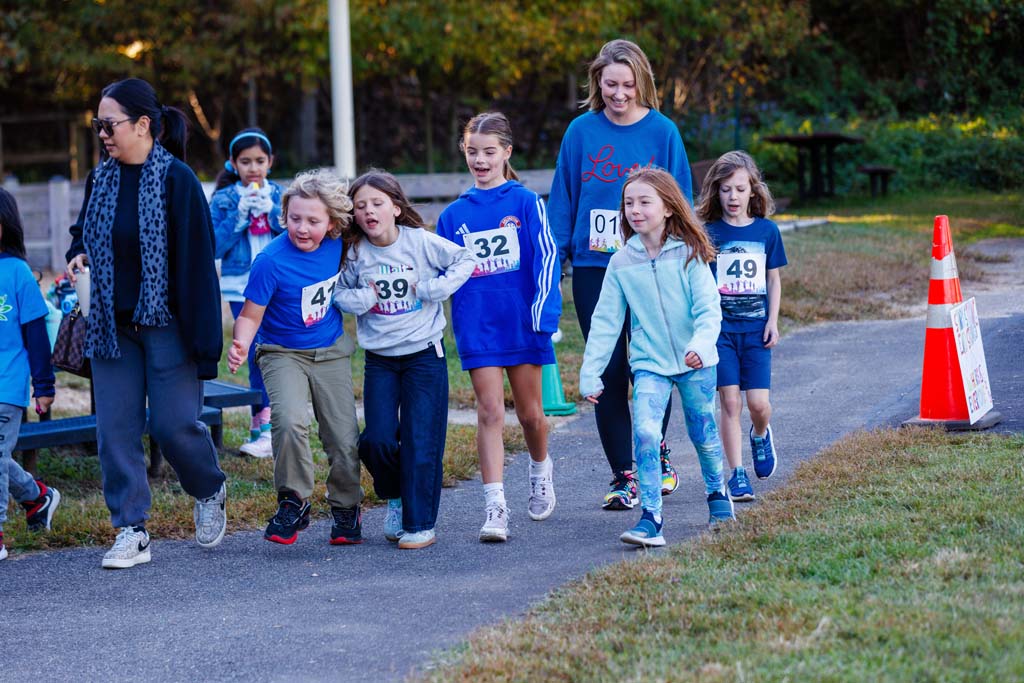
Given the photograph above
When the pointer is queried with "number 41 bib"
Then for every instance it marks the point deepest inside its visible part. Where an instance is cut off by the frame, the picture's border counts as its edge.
(316, 300)
(741, 273)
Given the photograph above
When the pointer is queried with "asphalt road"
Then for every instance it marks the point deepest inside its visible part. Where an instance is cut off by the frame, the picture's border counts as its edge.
(251, 610)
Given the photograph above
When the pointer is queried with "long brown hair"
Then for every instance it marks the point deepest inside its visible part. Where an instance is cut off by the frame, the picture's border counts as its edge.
(709, 208)
(621, 52)
(682, 224)
(491, 123)
(389, 185)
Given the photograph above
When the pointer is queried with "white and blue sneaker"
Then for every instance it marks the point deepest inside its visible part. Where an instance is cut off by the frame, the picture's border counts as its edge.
(739, 486)
(763, 451)
(393, 520)
(646, 533)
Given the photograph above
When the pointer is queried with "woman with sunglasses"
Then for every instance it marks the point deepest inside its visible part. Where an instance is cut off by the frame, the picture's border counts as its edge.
(154, 327)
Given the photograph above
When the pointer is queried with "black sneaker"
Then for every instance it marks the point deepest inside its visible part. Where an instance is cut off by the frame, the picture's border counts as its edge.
(291, 518)
(39, 512)
(348, 526)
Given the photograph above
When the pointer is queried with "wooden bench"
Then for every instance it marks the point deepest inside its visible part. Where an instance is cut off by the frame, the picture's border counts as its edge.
(879, 176)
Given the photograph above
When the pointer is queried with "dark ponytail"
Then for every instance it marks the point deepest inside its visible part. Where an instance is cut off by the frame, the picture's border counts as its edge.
(12, 234)
(166, 124)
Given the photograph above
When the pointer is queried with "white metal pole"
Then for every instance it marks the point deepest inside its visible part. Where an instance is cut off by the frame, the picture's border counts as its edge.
(342, 115)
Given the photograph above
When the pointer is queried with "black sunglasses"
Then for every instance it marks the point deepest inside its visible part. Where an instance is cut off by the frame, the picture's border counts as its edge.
(104, 126)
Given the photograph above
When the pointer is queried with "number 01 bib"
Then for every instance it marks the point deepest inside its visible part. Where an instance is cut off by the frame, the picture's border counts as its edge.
(741, 273)
(316, 300)
(496, 251)
(605, 234)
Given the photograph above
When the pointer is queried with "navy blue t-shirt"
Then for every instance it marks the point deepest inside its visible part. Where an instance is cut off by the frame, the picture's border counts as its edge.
(744, 257)
(297, 287)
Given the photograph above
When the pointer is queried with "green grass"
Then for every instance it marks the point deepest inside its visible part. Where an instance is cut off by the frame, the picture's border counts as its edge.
(911, 568)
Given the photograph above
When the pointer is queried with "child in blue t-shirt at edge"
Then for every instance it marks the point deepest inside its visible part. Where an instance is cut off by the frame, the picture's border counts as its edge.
(246, 213)
(24, 351)
(305, 355)
(735, 204)
(661, 275)
(505, 315)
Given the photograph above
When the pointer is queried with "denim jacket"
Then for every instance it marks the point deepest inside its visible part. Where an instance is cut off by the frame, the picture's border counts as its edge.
(229, 228)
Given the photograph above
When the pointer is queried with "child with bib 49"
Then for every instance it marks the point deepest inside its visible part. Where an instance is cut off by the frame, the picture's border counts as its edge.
(246, 214)
(661, 275)
(505, 315)
(735, 204)
(304, 354)
(396, 277)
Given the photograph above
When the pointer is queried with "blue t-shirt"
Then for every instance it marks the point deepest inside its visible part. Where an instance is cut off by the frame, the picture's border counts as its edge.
(297, 288)
(744, 257)
(20, 302)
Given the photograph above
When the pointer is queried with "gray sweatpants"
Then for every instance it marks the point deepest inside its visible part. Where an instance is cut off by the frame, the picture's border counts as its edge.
(153, 364)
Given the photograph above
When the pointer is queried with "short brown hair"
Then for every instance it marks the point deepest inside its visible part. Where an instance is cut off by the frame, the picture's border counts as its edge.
(622, 52)
(709, 206)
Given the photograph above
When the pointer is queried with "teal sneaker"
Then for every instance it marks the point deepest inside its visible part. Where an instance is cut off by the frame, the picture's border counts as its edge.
(720, 509)
(393, 520)
(414, 540)
(646, 533)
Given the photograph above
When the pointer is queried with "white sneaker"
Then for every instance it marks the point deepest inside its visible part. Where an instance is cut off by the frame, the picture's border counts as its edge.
(131, 547)
(210, 518)
(3, 552)
(260, 448)
(393, 520)
(542, 498)
(495, 529)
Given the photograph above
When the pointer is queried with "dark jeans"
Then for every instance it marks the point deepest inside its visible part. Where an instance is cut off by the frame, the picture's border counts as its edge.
(404, 454)
(255, 375)
(614, 425)
(153, 364)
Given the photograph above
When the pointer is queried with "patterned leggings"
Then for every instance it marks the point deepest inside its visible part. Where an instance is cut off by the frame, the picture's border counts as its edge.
(651, 394)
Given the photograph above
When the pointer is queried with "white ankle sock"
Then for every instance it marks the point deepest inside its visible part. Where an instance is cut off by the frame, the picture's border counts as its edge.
(494, 493)
(542, 468)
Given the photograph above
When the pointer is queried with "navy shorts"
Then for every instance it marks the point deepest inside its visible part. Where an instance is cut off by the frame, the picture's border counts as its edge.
(743, 360)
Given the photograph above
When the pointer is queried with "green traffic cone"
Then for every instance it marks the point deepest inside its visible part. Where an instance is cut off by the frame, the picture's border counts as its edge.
(552, 394)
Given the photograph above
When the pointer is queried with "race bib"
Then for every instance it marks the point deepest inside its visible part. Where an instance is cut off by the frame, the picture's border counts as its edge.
(605, 232)
(395, 293)
(741, 273)
(316, 300)
(496, 251)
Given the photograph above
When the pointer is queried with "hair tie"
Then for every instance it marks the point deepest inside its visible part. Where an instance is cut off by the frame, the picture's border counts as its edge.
(229, 167)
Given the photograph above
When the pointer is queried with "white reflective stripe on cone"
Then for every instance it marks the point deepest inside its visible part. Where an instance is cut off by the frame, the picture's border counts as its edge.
(938, 316)
(944, 269)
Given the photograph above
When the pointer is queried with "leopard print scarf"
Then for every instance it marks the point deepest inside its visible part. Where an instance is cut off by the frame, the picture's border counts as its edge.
(151, 310)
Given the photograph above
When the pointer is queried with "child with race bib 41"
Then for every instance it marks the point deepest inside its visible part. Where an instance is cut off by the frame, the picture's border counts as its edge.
(661, 275)
(305, 355)
(505, 315)
(396, 277)
(735, 204)
(246, 213)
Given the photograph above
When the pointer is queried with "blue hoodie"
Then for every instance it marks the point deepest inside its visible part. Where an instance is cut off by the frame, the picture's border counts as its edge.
(505, 314)
(595, 157)
(673, 308)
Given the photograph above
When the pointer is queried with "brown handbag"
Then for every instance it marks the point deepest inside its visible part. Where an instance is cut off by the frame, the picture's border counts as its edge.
(69, 347)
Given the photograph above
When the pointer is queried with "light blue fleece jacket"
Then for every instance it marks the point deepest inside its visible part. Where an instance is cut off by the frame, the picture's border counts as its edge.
(674, 308)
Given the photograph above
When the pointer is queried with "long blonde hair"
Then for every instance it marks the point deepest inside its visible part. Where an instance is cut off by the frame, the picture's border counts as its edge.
(709, 208)
(621, 52)
(682, 224)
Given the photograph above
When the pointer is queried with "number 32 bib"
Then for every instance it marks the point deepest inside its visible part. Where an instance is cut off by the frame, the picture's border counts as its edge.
(496, 251)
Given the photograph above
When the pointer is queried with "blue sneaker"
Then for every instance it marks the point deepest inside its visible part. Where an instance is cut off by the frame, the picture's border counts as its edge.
(646, 533)
(721, 509)
(393, 520)
(763, 451)
(739, 486)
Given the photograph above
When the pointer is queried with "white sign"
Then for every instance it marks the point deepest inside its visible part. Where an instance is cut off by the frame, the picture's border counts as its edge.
(971, 353)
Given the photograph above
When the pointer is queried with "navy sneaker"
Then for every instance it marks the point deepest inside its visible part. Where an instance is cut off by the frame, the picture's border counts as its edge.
(623, 493)
(291, 518)
(720, 508)
(646, 533)
(739, 486)
(39, 512)
(348, 526)
(763, 451)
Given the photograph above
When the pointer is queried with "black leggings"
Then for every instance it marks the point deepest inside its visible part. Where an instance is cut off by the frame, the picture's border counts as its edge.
(614, 424)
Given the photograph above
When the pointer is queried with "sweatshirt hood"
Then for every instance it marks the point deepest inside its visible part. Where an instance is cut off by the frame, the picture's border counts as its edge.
(636, 244)
(478, 196)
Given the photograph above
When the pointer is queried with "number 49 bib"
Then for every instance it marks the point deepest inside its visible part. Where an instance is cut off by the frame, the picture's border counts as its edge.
(741, 273)
(316, 300)
(496, 251)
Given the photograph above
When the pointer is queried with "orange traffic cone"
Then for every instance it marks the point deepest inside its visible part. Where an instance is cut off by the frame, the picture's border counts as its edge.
(942, 390)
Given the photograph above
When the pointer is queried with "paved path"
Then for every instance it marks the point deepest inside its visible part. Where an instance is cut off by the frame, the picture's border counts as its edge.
(253, 610)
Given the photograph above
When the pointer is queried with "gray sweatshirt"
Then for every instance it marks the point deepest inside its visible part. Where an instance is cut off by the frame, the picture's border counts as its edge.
(396, 291)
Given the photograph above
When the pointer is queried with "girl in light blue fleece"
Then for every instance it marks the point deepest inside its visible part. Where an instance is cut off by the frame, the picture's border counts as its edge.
(661, 277)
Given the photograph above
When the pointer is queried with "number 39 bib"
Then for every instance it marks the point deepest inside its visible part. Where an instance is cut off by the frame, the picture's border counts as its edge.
(496, 251)
(741, 273)
(316, 300)
(394, 293)
(605, 234)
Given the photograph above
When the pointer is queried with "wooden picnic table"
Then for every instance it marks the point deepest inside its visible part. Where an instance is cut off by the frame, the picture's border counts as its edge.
(809, 158)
